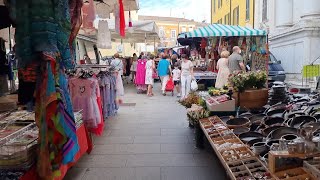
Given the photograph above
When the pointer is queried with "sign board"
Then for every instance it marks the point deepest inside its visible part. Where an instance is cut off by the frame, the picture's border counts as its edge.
(259, 62)
(310, 71)
(120, 48)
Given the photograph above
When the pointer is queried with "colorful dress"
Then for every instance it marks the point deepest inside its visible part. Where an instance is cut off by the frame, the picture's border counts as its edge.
(85, 95)
(141, 75)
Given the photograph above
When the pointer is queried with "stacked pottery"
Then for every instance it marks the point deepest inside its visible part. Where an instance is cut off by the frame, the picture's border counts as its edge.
(278, 94)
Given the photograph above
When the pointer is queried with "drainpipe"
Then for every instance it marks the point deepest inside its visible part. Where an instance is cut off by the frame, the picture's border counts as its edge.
(230, 12)
(254, 10)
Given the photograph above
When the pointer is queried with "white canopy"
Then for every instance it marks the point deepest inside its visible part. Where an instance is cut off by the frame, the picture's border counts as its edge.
(140, 32)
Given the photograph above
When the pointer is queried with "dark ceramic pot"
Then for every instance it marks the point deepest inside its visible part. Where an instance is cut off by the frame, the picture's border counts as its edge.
(248, 136)
(300, 120)
(273, 121)
(238, 122)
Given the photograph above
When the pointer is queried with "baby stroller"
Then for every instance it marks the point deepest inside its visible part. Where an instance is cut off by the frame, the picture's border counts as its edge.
(170, 86)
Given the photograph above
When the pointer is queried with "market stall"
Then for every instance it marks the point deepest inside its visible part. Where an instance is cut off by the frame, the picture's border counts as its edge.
(208, 42)
(60, 105)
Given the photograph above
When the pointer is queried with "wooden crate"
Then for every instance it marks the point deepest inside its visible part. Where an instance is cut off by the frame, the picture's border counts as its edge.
(224, 106)
(313, 167)
(252, 98)
(275, 155)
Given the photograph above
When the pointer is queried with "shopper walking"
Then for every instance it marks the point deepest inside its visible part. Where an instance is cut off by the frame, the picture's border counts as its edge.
(176, 76)
(186, 76)
(174, 60)
(133, 67)
(223, 70)
(236, 61)
(164, 71)
(150, 68)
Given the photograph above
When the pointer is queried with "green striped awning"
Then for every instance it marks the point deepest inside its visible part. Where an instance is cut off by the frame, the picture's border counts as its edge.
(215, 30)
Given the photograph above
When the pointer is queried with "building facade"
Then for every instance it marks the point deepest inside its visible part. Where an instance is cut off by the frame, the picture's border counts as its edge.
(233, 12)
(294, 31)
(170, 27)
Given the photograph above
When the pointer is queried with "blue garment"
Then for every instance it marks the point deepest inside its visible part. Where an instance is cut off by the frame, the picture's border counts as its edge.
(163, 67)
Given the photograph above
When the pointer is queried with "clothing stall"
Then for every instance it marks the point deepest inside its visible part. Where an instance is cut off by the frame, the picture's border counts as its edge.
(66, 102)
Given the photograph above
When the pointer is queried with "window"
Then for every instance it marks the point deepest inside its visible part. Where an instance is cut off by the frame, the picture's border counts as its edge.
(214, 6)
(173, 34)
(227, 19)
(219, 3)
(190, 28)
(236, 16)
(183, 29)
(161, 32)
(220, 21)
(265, 11)
(247, 9)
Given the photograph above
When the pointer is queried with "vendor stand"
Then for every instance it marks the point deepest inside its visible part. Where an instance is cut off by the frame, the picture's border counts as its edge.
(208, 42)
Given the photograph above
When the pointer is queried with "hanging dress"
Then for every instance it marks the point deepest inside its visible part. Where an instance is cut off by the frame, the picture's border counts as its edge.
(141, 75)
(85, 94)
(149, 70)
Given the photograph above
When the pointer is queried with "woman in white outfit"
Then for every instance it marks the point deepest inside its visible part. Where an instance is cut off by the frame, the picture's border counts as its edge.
(150, 68)
(186, 76)
(223, 70)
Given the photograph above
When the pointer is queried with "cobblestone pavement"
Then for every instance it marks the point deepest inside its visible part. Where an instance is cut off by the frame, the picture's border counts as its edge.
(148, 140)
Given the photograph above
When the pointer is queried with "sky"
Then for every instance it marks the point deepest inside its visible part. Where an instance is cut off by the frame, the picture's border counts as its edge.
(198, 10)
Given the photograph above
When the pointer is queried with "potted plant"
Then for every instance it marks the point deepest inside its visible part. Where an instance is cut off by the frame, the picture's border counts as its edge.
(250, 87)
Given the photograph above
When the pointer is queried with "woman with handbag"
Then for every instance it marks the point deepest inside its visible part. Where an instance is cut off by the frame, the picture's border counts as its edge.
(186, 76)
(150, 74)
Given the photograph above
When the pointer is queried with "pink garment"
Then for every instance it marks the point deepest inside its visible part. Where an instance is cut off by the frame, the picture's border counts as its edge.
(84, 95)
(88, 17)
(141, 72)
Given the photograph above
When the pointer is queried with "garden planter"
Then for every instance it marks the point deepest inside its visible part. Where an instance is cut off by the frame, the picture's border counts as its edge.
(251, 99)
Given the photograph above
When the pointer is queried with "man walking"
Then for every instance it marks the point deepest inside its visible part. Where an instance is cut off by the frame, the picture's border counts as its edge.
(164, 70)
(236, 61)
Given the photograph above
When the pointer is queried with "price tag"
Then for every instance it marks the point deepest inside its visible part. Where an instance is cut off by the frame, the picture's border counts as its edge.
(310, 71)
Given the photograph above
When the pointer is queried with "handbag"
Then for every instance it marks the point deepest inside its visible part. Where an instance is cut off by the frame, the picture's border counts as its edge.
(194, 85)
(154, 74)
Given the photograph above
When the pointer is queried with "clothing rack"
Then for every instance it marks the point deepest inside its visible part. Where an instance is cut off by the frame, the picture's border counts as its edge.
(92, 66)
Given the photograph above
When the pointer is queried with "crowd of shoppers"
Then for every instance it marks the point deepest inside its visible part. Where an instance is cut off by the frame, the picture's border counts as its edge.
(179, 70)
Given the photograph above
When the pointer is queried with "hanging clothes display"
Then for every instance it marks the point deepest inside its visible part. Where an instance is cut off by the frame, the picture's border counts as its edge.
(88, 16)
(104, 35)
(44, 35)
(141, 76)
(107, 82)
(85, 96)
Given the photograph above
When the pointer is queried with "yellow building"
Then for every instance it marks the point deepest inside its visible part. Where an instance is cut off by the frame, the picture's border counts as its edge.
(233, 12)
(170, 27)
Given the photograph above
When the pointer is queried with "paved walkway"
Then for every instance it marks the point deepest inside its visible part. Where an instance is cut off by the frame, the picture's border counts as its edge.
(148, 141)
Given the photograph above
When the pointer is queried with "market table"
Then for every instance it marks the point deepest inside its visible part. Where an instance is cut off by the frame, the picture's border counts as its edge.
(85, 145)
(201, 75)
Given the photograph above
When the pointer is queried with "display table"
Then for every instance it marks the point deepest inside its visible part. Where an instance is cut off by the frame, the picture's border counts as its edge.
(200, 75)
(236, 157)
(85, 145)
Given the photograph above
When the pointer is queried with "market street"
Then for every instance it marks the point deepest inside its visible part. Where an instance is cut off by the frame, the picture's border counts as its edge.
(149, 140)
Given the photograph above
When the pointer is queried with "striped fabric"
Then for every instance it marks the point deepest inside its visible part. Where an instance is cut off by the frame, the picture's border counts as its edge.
(214, 30)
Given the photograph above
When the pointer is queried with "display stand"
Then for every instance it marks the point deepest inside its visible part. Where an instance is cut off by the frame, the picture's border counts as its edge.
(274, 156)
(85, 145)
(241, 161)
